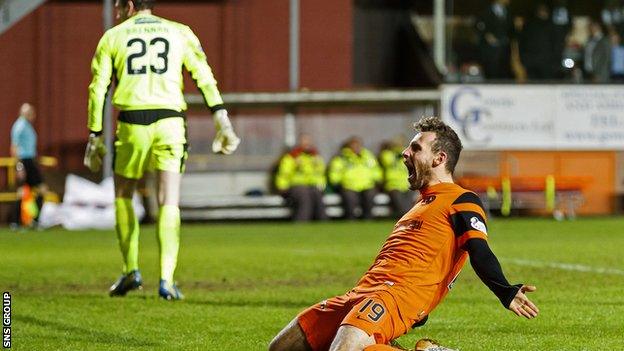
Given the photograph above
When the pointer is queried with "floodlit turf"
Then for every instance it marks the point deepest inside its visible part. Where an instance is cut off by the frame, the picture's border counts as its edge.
(243, 282)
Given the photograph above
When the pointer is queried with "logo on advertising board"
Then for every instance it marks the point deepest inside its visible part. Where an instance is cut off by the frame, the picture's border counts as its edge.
(501, 116)
(467, 110)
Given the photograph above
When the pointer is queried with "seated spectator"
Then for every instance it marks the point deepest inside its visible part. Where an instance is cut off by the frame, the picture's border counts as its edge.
(301, 180)
(354, 172)
(395, 175)
(597, 54)
(537, 43)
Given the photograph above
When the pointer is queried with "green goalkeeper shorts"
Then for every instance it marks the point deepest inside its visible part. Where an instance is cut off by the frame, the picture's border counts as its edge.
(160, 145)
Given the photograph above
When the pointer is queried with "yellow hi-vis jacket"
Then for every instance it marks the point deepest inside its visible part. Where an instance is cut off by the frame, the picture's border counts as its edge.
(395, 172)
(354, 172)
(300, 168)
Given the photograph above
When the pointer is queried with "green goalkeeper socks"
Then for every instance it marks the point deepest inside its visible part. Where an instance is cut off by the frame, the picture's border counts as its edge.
(168, 232)
(127, 228)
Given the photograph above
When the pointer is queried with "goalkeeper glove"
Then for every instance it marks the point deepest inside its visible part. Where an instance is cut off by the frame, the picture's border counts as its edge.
(94, 153)
(225, 140)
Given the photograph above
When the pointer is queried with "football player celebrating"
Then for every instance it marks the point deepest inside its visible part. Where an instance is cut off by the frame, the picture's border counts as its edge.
(146, 54)
(417, 264)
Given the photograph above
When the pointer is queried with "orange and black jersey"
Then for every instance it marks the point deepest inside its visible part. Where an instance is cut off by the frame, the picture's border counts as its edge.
(426, 250)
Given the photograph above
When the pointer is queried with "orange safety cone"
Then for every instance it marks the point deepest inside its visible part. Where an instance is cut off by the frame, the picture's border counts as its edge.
(28, 209)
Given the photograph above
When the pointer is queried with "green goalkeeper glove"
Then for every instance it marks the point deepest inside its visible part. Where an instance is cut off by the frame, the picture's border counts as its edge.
(94, 153)
(225, 140)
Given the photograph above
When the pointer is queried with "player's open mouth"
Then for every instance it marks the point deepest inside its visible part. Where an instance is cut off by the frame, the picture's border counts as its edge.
(411, 171)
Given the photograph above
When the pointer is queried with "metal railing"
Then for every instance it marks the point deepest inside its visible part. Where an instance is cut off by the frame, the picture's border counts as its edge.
(324, 98)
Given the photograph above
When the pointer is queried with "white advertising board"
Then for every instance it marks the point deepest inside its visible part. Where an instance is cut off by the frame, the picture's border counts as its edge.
(536, 117)
(590, 117)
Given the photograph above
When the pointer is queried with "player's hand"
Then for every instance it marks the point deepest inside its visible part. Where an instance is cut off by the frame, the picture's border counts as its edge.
(225, 140)
(521, 305)
(94, 154)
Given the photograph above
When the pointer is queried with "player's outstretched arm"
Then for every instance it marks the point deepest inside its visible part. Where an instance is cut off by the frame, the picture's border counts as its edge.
(487, 267)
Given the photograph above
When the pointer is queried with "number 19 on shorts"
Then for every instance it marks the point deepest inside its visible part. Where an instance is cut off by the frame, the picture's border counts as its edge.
(373, 310)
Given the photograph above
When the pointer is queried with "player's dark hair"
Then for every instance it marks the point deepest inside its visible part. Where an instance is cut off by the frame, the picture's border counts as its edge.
(446, 139)
(139, 4)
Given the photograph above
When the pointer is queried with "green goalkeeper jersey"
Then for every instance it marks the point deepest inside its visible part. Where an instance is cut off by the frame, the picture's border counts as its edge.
(146, 54)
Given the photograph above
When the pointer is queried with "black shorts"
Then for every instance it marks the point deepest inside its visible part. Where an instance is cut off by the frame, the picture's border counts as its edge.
(33, 175)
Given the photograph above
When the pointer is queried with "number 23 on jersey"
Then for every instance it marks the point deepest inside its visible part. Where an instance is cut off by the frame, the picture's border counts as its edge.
(156, 50)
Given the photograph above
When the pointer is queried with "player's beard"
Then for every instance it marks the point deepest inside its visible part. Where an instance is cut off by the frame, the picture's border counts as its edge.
(421, 177)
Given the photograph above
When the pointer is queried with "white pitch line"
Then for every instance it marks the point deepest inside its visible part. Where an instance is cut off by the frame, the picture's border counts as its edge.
(565, 266)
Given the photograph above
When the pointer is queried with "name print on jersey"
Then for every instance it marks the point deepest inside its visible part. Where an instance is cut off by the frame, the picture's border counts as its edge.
(409, 225)
(427, 199)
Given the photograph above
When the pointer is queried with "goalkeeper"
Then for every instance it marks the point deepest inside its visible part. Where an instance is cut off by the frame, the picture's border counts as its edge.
(146, 53)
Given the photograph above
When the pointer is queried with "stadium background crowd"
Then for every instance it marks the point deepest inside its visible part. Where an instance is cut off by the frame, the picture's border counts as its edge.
(356, 173)
(549, 44)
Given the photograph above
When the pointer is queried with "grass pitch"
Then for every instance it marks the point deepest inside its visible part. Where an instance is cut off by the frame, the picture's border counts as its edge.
(244, 282)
